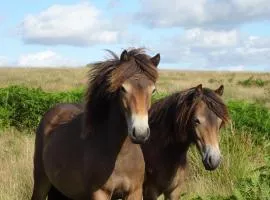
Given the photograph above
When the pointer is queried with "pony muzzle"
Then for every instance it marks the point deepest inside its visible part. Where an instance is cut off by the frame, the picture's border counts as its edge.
(211, 157)
(139, 130)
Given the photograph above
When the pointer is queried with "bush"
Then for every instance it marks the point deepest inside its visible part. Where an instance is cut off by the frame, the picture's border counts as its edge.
(23, 107)
(157, 96)
(253, 82)
(212, 80)
(5, 114)
(251, 117)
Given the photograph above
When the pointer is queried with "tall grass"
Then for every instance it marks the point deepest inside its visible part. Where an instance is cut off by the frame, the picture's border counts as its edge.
(241, 156)
(169, 81)
(16, 153)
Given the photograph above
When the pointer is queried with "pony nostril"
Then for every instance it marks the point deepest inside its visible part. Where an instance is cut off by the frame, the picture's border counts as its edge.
(148, 132)
(213, 162)
(133, 132)
(210, 161)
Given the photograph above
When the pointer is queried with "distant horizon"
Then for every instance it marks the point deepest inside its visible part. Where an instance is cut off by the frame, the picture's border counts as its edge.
(189, 35)
(160, 68)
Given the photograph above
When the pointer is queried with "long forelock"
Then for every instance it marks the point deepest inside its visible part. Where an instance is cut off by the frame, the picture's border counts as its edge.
(111, 74)
(215, 104)
(186, 104)
(172, 111)
(138, 67)
(208, 96)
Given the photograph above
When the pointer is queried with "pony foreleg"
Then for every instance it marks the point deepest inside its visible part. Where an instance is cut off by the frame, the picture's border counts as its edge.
(174, 194)
(41, 187)
(135, 195)
(150, 192)
(54, 194)
(100, 195)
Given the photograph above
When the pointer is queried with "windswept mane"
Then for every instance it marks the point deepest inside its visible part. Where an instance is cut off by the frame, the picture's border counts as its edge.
(176, 110)
(105, 79)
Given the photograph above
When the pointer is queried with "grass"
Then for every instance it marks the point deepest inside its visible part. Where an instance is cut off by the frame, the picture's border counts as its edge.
(16, 154)
(48, 79)
(69, 78)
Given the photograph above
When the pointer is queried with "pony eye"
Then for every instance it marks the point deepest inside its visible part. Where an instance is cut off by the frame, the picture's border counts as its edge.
(196, 121)
(154, 91)
(122, 89)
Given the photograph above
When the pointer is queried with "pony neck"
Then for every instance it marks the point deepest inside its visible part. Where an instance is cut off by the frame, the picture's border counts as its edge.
(115, 126)
(164, 124)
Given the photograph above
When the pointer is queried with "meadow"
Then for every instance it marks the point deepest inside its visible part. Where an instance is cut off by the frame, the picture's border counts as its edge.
(245, 143)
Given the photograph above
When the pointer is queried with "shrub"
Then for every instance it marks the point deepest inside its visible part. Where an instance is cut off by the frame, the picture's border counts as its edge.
(157, 96)
(250, 117)
(4, 117)
(253, 82)
(23, 107)
(212, 80)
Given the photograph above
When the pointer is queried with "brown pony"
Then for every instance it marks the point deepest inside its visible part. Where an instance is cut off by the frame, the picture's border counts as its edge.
(191, 116)
(86, 154)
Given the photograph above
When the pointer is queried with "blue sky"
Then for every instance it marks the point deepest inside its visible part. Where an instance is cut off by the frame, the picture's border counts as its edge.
(229, 35)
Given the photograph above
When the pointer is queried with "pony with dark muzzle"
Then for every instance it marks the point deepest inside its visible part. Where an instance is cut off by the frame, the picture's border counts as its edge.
(192, 116)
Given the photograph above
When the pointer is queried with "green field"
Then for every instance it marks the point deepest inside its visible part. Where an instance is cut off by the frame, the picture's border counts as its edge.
(245, 143)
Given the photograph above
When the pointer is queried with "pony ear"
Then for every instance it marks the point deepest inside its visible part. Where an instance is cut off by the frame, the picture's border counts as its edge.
(220, 90)
(155, 59)
(199, 89)
(124, 56)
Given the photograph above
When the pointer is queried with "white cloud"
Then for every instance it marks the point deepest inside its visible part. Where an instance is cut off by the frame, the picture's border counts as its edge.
(194, 42)
(45, 59)
(202, 13)
(79, 24)
(199, 38)
(248, 56)
(226, 50)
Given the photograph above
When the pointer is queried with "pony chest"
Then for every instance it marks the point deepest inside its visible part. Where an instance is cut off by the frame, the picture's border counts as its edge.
(129, 169)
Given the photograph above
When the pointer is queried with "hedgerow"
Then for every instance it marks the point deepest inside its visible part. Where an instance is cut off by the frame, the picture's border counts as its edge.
(23, 107)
